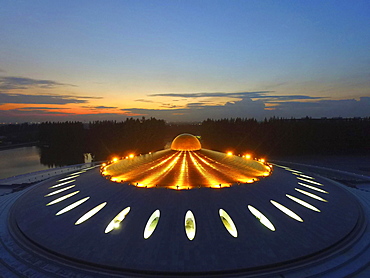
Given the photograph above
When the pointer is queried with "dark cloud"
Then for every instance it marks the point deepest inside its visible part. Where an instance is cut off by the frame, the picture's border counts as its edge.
(198, 112)
(324, 108)
(240, 95)
(40, 108)
(215, 94)
(15, 83)
(144, 100)
(100, 107)
(42, 99)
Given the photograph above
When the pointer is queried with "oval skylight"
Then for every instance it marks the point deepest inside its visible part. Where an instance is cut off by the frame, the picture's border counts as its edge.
(263, 219)
(90, 213)
(313, 188)
(60, 184)
(59, 190)
(228, 223)
(151, 224)
(287, 211)
(190, 227)
(310, 181)
(72, 206)
(310, 195)
(62, 198)
(115, 223)
(303, 203)
(68, 178)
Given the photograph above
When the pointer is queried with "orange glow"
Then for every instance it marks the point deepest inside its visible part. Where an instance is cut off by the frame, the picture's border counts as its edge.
(131, 155)
(248, 156)
(115, 159)
(262, 160)
(186, 142)
(186, 169)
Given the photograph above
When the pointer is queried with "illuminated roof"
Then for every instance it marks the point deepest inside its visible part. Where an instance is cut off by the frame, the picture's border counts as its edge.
(234, 229)
(186, 142)
(186, 169)
(285, 219)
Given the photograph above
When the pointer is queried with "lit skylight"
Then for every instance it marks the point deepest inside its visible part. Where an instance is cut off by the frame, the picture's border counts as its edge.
(151, 224)
(90, 213)
(62, 198)
(313, 188)
(310, 195)
(190, 227)
(310, 181)
(61, 184)
(68, 178)
(286, 211)
(303, 203)
(303, 176)
(72, 206)
(263, 219)
(59, 190)
(115, 223)
(228, 223)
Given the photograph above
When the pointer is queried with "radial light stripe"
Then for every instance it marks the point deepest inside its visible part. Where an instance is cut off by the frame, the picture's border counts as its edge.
(263, 219)
(310, 195)
(72, 206)
(313, 188)
(115, 223)
(90, 213)
(303, 203)
(287, 211)
(61, 184)
(310, 181)
(59, 190)
(71, 177)
(62, 198)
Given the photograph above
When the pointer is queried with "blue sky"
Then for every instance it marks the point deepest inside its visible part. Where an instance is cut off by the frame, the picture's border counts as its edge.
(183, 60)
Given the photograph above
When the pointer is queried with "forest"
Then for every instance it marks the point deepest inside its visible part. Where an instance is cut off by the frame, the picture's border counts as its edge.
(64, 143)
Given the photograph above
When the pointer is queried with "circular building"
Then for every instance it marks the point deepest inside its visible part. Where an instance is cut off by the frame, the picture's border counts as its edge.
(188, 211)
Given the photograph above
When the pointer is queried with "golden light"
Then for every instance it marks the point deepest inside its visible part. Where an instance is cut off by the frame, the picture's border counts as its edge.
(115, 159)
(131, 156)
(262, 160)
(104, 164)
(247, 156)
(182, 169)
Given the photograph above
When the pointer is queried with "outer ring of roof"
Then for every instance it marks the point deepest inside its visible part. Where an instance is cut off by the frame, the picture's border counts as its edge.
(38, 225)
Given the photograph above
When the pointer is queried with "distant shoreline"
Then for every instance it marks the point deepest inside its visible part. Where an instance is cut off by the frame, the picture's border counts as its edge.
(14, 146)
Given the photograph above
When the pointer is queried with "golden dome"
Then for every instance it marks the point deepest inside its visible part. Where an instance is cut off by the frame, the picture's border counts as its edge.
(186, 142)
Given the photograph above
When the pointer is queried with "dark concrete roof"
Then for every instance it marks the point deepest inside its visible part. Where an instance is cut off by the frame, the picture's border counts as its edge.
(168, 250)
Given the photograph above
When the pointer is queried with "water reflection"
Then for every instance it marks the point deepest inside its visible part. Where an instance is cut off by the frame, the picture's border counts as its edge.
(57, 157)
(24, 160)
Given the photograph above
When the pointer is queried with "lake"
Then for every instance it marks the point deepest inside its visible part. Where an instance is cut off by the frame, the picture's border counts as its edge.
(22, 160)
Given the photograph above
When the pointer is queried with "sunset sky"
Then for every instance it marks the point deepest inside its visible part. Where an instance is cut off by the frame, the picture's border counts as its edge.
(183, 60)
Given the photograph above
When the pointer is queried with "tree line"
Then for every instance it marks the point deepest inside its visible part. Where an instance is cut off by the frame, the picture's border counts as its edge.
(63, 143)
